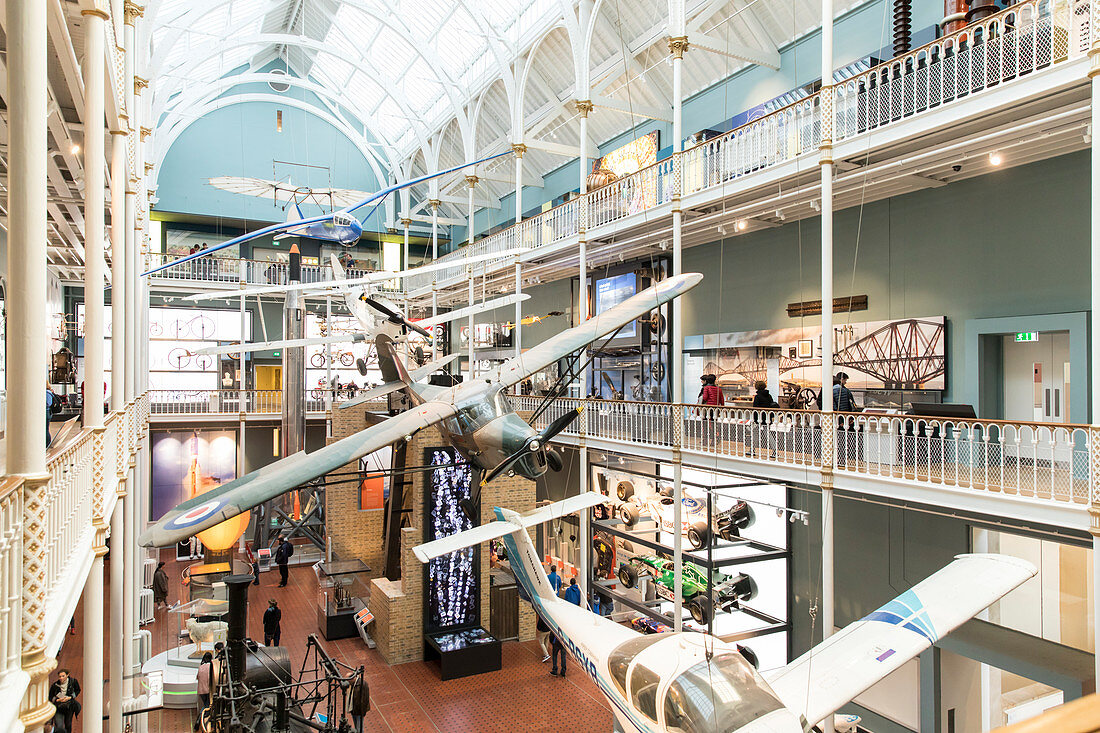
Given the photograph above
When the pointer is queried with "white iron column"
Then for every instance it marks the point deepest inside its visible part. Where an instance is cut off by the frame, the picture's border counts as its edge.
(470, 324)
(583, 106)
(130, 514)
(94, 132)
(517, 341)
(828, 431)
(434, 204)
(405, 222)
(115, 672)
(118, 269)
(26, 344)
(93, 624)
(519, 149)
(1094, 433)
(471, 181)
(677, 45)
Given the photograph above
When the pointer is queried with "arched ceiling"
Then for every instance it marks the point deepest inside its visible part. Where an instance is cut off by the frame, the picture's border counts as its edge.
(430, 83)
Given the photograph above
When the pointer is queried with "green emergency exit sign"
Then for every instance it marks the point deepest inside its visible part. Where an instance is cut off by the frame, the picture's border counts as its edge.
(1027, 336)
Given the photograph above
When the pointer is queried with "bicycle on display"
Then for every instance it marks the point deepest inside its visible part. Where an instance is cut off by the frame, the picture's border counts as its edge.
(180, 358)
(344, 358)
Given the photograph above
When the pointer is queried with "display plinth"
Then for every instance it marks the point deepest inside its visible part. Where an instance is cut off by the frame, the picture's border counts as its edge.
(463, 653)
(340, 596)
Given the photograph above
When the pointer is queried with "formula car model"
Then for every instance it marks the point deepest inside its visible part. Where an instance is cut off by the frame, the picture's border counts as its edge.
(727, 591)
(646, 625)
(726, 524)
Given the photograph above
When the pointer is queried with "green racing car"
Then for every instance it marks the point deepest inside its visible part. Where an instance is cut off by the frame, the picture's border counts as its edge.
(727, 591)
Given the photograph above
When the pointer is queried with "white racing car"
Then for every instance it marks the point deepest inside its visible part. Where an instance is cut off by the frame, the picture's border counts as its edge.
(725, 524)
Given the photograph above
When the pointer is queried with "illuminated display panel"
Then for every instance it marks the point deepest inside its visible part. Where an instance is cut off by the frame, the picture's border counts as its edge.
(451, 600)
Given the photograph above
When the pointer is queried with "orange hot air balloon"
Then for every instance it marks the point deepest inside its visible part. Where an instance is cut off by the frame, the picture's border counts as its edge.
(221, 536)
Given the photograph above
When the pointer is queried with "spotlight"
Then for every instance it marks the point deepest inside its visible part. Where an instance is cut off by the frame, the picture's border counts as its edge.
(779, 511)
(75, 149)
(995, 158)
(741, 225)
(791, 518)
(621, 461)
(721, 229)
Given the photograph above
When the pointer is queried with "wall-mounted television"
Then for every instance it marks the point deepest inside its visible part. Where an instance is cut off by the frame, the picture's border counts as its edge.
(610, 291)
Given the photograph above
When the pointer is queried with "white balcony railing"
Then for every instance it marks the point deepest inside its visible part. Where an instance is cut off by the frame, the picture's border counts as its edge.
(46, 537)
(230, 401)
(1042, 461)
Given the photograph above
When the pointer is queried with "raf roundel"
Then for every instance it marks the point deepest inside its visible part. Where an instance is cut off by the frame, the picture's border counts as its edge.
(191, 517)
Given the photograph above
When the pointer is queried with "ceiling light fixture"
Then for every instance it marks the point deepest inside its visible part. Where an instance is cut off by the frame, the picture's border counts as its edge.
(995, 158)
(75, 149)
(742, 224)
(721, 229)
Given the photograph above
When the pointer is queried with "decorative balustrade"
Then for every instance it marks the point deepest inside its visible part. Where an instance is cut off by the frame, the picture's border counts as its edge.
(46, 533)
(231, 401)
(1042, 461)
(229, 271)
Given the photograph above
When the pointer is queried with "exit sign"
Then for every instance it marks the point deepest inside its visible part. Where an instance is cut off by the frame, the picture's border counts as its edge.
(1027, 336)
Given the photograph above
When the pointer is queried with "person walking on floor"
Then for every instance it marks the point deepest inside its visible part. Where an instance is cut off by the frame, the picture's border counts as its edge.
(282, 558)
(160, 586)
(542, 634)
(359, 700)
(573, 592)
(63, 694)
(557, 649)
(272, 623)
(555, 579)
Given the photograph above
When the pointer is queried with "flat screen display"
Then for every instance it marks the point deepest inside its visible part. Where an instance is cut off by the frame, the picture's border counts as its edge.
(611, 291)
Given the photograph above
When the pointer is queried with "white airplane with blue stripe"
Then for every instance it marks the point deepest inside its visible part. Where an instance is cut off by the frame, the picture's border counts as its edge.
(691, 682)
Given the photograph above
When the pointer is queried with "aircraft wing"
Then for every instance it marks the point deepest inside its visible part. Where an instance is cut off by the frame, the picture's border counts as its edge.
(853, 659)
(470, 310)
(217, 505)
(346, 338)
(518, 368)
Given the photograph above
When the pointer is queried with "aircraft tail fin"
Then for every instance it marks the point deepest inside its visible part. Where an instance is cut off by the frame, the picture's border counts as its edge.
(337, 269)
(512, 527)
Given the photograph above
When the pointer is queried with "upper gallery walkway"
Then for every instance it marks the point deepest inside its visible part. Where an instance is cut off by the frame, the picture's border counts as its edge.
(1035, 472)
(1015, 83)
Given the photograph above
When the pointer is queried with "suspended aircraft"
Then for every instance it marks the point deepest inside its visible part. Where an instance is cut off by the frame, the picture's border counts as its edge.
(692, 682)
(475, 417)
(374, 313)
(338, 226)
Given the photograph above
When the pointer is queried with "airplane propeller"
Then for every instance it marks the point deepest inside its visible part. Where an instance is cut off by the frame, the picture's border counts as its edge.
(395, 316)
(533, 444)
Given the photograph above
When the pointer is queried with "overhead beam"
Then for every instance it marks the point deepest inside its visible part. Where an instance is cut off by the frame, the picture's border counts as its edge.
(440, 219)
(734, 50)
(463, 200)
(529, 179)
(569, 151)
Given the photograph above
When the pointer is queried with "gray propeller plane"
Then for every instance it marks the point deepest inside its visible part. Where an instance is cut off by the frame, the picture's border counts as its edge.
(476, 417)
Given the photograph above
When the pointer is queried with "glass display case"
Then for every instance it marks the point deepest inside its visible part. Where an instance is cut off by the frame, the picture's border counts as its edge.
(195, 627)
(342, 591)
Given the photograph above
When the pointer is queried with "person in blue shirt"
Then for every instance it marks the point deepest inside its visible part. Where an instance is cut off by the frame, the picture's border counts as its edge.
(555, 579)
(573, 592)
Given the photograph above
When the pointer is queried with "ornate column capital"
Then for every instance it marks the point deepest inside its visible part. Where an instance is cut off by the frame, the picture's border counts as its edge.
(435, 203)
(406, 222)
(99, 544)
(139, 84)
(37, 709)
(583, 106)
(148, 168)
(677, 46)
(519, 149)
(132, 11)
(145, 132)
(1094, 59)
(94, 9)
(472, 180)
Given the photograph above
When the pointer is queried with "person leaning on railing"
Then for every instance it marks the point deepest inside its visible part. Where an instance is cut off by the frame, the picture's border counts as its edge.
(710, 394)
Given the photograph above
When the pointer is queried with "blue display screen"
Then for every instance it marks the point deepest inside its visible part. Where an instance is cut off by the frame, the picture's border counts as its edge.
(611, 291)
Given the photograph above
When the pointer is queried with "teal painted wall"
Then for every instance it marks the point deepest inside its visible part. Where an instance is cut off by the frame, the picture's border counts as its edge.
(241, 140)
(1015, 242)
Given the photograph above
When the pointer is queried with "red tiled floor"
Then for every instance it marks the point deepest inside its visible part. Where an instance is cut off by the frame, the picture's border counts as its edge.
(407, 698)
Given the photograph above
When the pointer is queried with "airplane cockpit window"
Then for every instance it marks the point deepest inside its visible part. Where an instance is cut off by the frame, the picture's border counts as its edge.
(643, 690)
(475, 415)
(723, 694)
(502, 402)
(618, 662)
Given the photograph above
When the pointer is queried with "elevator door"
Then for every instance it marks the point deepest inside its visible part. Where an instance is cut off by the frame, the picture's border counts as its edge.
(1037, 378)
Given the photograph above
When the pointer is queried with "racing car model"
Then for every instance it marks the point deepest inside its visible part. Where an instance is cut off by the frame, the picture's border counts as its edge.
(726, 524)
(727, 591)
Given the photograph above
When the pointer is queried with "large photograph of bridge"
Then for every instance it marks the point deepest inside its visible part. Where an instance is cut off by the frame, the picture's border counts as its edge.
(902, 354)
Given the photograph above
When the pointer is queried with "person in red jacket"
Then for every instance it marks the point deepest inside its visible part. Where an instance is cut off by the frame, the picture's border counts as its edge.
(710, 394)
